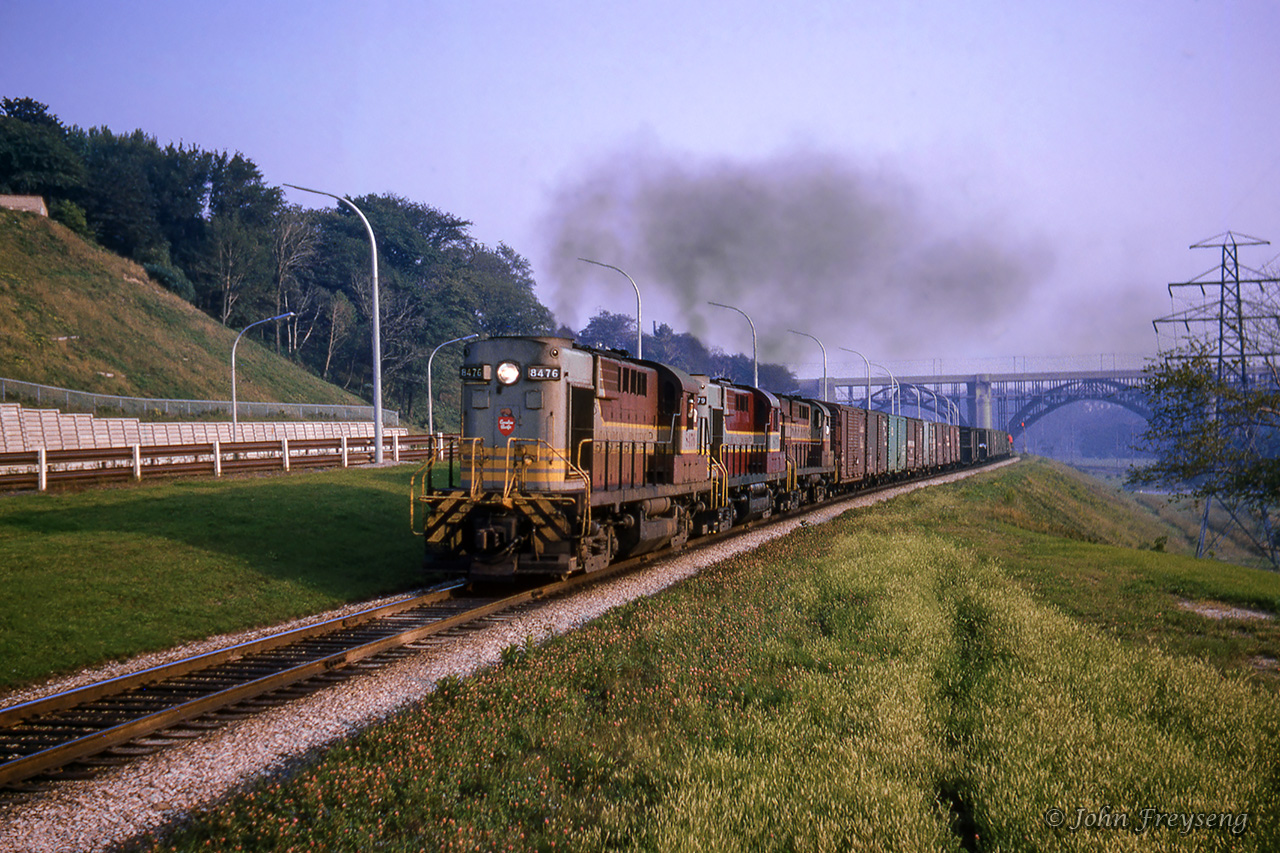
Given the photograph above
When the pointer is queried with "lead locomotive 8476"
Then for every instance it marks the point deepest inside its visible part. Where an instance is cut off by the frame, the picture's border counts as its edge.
(570, 458)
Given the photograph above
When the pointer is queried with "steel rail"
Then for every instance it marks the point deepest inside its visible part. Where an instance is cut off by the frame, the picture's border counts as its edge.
(33, 725)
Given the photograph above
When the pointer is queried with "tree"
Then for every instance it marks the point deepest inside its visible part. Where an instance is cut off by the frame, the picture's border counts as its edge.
(504, 303)
(35, 158)
(341, 317)
(179, 177)
(1218, 438)
(606, 329)
(32, 112)
(295, 238)
(237, 188)
(119, 200)
(682, 350)
(236, 264)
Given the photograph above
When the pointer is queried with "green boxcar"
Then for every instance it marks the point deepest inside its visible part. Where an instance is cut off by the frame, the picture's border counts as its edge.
(897, 444)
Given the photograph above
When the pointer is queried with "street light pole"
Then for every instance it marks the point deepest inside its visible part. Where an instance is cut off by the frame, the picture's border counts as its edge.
(431, 400)
(868, 364)
(824, 361)
(945, 399)
(235, 407)
(639, 321)
(755, 364)
(897, 390)
(937, 400)
(377, 321)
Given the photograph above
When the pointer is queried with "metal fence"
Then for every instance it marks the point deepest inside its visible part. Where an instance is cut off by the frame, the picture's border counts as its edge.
(39, 469)
(142, 407)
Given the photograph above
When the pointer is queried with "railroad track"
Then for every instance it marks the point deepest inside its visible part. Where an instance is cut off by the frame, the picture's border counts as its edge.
(73, 733)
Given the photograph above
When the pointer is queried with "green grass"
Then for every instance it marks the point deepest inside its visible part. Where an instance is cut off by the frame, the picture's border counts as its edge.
(896, 680)
(112, 572)
(1225, 540)
(1090, 551)
(76, 316)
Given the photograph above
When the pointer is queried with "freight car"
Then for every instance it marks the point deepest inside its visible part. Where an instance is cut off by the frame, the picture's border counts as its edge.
(571, 457)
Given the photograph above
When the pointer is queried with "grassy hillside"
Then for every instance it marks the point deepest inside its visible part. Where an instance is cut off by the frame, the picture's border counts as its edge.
(76, 316)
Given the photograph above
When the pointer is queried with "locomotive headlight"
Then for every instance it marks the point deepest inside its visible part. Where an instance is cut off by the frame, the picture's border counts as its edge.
(508, 372)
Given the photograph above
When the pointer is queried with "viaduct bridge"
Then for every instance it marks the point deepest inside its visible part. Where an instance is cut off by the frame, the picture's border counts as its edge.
(1009, 394)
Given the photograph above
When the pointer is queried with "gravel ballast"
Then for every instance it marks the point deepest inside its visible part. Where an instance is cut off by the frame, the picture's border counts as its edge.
(94, 814)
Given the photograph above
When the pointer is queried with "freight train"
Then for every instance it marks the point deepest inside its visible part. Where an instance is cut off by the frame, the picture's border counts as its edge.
(571, 457)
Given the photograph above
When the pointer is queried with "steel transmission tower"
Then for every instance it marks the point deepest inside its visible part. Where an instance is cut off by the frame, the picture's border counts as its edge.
(1239, 320)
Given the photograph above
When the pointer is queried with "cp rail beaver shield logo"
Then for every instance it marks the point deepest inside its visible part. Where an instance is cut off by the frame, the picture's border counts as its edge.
(506, 423)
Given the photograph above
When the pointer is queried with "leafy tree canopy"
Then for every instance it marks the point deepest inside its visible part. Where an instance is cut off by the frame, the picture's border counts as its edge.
(1215, 437)
(36, 160)
(32, 112)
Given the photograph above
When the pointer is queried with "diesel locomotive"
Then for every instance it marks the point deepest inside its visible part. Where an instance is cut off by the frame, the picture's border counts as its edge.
(571, 457)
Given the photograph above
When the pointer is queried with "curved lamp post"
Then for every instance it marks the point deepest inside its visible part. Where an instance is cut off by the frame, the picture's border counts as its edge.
(867, 401)
(377, 322)
(824, 361)
(755, 364)
(937, 402)
(897, 391)
(235, 407)
(945, 399)
(431, 400)
(639, 322)
(868, 364)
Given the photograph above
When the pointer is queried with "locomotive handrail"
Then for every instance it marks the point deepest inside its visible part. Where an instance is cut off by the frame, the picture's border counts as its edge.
(586, 516)
(719, 483)
(420, 483)
(511, 474)
(476, 458)
(425, 471)
(575, 470)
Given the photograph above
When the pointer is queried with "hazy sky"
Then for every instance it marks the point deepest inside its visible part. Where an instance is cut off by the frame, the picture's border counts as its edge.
(910, 179)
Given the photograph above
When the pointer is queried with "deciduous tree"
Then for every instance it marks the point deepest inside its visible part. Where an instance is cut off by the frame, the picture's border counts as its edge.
(1217, 438)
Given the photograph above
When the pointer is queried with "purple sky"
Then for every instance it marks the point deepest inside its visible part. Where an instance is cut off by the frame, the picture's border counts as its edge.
(912, 180)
